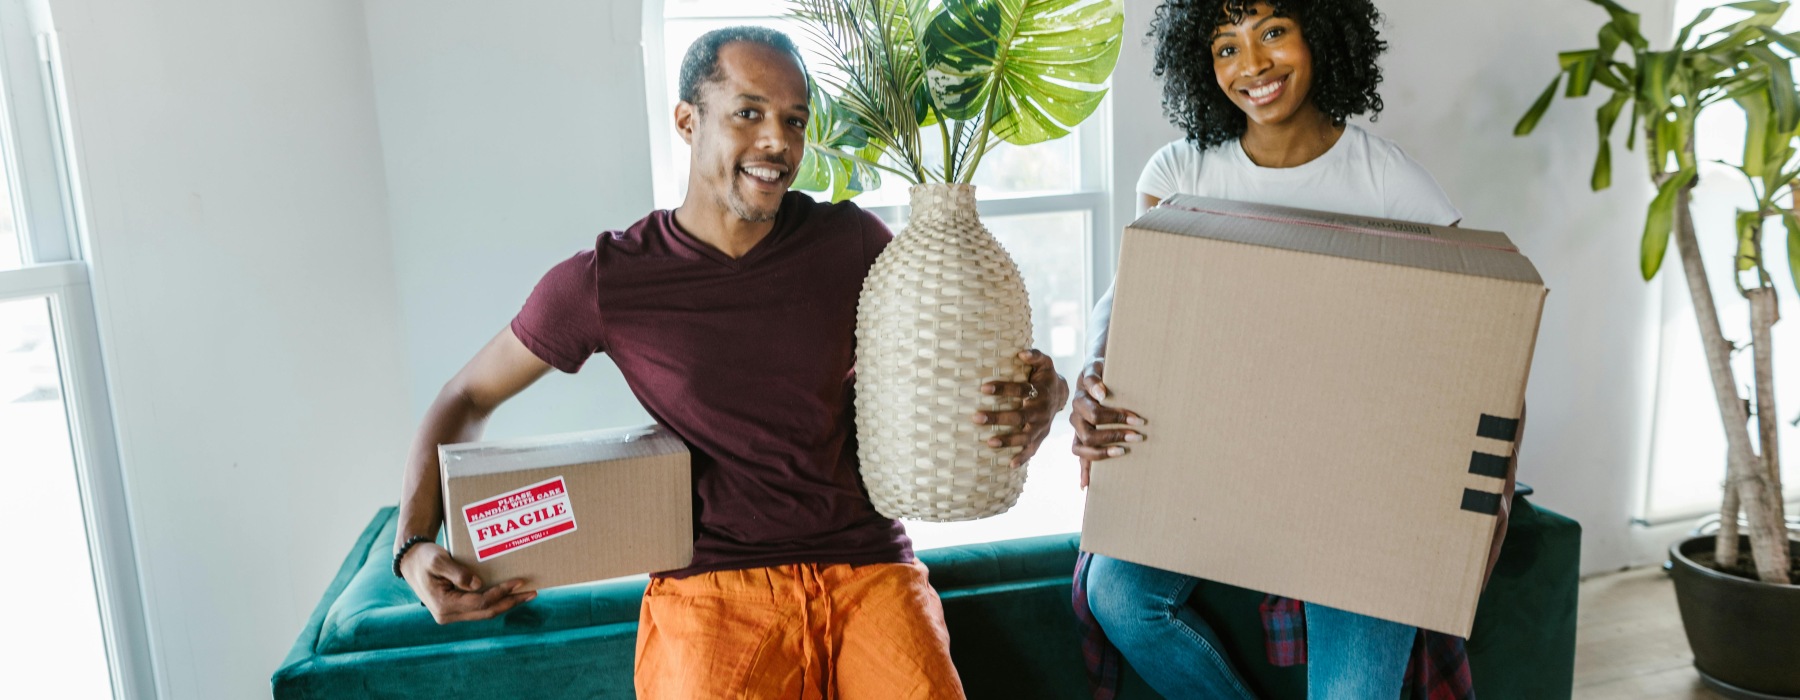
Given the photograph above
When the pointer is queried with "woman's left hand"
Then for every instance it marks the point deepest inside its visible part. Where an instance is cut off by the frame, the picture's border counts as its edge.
(1043, 393)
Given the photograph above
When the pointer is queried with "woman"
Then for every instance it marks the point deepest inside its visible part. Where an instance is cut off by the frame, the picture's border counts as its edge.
(1263, 91)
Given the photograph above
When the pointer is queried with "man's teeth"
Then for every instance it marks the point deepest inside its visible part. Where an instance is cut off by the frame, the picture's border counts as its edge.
(1265, 91)
(769, 174)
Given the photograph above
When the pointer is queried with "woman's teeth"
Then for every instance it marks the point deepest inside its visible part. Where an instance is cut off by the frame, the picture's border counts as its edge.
(1264, 93)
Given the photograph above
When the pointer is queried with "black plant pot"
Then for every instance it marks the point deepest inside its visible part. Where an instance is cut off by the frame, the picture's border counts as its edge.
(1745, 634)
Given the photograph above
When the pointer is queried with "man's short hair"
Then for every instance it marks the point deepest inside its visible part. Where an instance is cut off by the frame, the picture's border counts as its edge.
(701, 65)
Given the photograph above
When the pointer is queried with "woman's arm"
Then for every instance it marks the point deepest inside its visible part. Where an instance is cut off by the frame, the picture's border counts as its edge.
(1093, 444)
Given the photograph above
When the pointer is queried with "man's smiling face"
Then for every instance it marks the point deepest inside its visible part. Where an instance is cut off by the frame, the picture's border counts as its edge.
(749, 131)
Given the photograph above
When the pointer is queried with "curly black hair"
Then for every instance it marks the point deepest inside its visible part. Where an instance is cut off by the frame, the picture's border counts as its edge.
(1341, 34)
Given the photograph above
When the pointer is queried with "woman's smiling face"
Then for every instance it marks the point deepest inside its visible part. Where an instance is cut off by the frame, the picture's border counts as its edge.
(1263, 64)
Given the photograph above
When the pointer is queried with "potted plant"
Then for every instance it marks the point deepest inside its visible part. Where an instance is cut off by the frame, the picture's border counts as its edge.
(944, 308)
(1740, 616)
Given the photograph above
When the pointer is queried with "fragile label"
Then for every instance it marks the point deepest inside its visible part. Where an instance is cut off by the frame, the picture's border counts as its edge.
(518, 519)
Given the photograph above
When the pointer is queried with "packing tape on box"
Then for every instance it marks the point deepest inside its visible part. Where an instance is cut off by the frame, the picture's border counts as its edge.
(1373, 231)
(1484, 464)
(1495, 427)
(1481, 502)
(471, 459)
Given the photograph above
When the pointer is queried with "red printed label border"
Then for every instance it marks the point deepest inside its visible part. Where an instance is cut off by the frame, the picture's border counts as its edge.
(520, 518)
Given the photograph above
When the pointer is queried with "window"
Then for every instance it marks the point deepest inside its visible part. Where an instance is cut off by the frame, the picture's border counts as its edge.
(1047, 204)
(12, 253)
(1687, 453)
(82, 634)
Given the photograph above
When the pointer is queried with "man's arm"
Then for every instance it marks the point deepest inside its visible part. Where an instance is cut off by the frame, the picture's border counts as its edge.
(502, 369)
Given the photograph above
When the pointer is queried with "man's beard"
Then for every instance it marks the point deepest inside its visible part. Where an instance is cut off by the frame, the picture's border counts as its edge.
(743, 209)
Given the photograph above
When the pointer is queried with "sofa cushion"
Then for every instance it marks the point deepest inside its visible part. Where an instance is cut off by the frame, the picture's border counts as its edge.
(379, 611)
(1012, 631)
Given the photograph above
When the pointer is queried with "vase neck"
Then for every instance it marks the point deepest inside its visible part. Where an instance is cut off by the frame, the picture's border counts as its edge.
(939, 201)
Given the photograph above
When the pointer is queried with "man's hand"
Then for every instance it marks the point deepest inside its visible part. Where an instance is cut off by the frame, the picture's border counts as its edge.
(1092, 443)
(1043, 394)
(451, 591)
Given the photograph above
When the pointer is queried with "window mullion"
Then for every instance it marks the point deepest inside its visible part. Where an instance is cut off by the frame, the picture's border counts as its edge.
(105, 506)
(41, 280)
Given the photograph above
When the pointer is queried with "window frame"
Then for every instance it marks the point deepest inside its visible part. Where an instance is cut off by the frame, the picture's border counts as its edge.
(1093, 195)
(35, 139)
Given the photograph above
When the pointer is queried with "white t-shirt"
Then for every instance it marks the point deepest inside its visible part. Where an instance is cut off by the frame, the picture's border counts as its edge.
(1362, 174)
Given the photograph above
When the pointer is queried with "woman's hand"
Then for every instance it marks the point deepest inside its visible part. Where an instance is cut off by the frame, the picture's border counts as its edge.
(1092, 441)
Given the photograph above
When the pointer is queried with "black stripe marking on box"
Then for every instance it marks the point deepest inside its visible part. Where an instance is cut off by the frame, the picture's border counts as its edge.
(1486, 464)
(1481, 502)
(1505, 429)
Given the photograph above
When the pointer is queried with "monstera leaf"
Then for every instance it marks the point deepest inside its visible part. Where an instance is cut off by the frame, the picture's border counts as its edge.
(840, 156)
(1030, 69)
(1024, 71)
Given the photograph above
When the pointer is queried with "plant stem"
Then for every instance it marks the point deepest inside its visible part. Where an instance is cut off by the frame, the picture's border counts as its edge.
(1744, 466)
(987, 126)
(1725, 545)
(833, 153)
(949, 148)
(1764, 312)
(1718, 361)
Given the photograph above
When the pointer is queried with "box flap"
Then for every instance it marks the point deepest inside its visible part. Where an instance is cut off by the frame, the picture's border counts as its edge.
(495, 456)
(1384, 241)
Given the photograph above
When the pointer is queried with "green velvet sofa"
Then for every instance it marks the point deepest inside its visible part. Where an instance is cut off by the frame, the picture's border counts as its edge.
(1012, 632)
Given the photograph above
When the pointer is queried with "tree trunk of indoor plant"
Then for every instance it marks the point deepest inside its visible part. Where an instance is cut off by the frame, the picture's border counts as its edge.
(1745, 469)
(1764, 312)
(943, 310)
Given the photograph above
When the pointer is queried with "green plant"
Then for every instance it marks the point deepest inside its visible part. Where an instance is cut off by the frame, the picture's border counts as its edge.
(982, 72)
(1748, 63)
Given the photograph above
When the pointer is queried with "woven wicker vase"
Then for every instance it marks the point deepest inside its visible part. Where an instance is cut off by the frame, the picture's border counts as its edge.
(943, 311)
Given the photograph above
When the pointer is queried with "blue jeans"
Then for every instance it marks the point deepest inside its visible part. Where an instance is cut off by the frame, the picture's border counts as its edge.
(1145, 614)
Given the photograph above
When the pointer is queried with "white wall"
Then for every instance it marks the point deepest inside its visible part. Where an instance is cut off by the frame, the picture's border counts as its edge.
(246, 298)
(1454, 96)
(512, 138)
(1458, 76)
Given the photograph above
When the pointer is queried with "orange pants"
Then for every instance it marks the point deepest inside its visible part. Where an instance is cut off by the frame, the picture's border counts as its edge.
(797, 631)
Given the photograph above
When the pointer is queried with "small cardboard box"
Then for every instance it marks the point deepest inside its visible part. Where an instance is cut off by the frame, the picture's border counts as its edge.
(570, 508)
(1331, 403)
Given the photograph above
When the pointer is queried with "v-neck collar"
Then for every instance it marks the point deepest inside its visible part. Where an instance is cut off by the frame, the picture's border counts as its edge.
(783, 215)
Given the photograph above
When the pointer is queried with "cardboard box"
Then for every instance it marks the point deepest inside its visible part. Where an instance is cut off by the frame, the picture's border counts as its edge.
(569, 508)
(1331, 404)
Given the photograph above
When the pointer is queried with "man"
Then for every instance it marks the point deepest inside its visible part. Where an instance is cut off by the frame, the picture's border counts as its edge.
(732, 318)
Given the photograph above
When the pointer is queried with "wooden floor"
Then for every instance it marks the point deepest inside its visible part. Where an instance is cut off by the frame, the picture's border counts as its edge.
(1629, 644)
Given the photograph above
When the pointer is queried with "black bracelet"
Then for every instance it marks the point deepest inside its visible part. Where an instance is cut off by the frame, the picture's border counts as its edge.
(401, 553)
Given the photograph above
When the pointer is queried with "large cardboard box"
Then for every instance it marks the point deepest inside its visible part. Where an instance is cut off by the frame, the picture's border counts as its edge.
(1331, 402)
(569, 508)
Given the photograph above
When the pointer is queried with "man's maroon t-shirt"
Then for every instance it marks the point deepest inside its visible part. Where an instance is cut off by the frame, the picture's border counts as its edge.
(749, 361)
